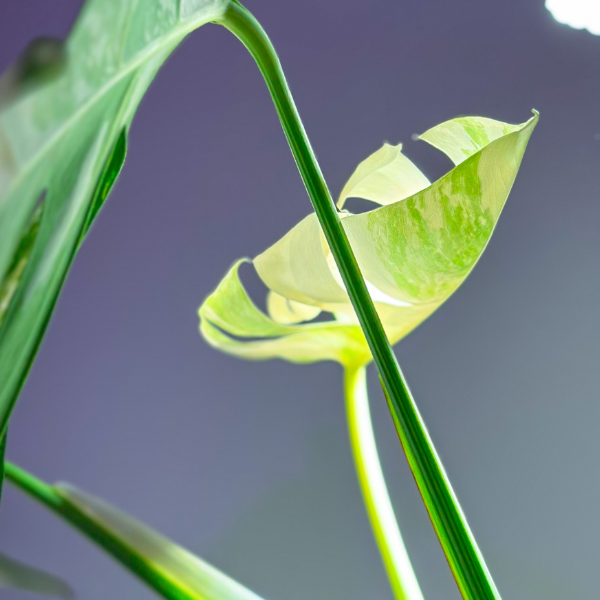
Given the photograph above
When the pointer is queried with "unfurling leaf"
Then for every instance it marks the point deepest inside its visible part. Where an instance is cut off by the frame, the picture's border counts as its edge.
(62, 144)
(414, 250)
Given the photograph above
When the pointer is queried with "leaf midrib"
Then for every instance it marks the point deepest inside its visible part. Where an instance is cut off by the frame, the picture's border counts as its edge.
(178, 33)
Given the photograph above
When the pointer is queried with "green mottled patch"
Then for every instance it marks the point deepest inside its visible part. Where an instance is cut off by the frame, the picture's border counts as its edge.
(414, 252)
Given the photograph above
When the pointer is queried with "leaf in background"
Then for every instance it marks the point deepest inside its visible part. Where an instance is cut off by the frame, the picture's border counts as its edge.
(16, 575)
(414, 250)
(42, 61)
(188, 574)
(2, 453)
(61, 148)
(170, 570)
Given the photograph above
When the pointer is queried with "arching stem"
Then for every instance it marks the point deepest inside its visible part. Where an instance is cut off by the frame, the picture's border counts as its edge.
(464, 557)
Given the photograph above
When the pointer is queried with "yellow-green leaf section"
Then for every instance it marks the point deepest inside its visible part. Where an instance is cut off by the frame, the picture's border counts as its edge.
(228, 318)
(414, 251)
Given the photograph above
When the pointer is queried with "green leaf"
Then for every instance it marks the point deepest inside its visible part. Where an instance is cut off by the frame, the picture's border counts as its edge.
(172, 571)
(2, 453)
(385, 177)
(229, 312)
(414, 251)
(288, 312)
(61, 147)
(19, 576)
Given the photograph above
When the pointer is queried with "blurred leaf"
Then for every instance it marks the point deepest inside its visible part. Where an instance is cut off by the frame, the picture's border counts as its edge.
(16, 575)
(2, 453)
(414, 251)
(42, 60)
(61, 148)
(186, 572)
(169, 569)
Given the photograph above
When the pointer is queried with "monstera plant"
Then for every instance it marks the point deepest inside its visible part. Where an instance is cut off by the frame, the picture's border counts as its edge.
(414, 251)
(63, 134)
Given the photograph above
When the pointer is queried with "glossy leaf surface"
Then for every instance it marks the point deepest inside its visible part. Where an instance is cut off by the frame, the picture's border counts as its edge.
(61, 148)
(414, 250)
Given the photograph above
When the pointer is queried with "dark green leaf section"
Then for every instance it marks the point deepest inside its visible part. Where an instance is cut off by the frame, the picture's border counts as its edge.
(170, 570)
(111, 171)
(17, 575)
(43, 60)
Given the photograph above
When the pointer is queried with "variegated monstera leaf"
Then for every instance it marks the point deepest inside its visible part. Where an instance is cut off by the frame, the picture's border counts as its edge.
(414, 250)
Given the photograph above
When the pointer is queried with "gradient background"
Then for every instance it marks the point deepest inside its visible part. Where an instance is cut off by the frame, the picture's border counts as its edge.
(248, 464)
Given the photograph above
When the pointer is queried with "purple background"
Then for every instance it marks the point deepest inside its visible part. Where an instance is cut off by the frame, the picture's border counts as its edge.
(248, 464)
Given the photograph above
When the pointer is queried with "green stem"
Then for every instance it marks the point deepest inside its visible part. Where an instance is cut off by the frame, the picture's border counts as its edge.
(458, 543)
(116, 547)
(379, 507)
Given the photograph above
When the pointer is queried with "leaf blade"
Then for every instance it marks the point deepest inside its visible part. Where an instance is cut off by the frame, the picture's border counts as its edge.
(414, 253)
(169, 569)
(184, 570)
(384, 177)
(60, 139)
(229, 313)
(421, 249)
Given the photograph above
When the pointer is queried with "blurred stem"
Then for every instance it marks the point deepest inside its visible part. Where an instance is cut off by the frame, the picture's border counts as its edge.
(112, 544)
(379, 507)
(464, 557)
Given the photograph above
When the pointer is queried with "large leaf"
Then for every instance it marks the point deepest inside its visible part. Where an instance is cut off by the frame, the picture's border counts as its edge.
(61, 148)
(414, 251)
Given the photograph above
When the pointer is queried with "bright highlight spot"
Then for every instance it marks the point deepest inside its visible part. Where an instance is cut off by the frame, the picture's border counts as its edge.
(579, 14)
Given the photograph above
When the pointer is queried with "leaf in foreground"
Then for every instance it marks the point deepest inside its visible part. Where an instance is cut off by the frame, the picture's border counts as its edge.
(414, 251)
(61, 148)
(170, 569)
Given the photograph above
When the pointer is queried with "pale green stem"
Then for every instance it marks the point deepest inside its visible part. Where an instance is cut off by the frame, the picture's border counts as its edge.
(379, 507)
